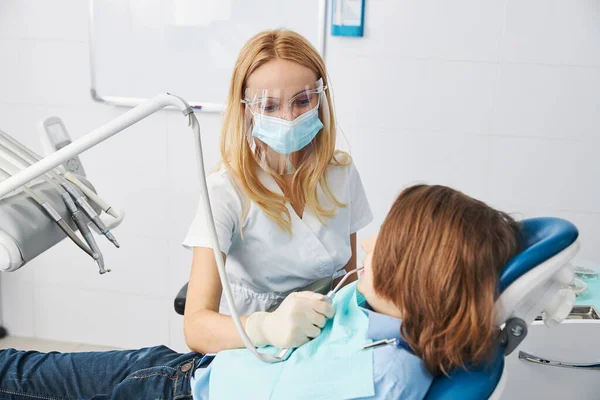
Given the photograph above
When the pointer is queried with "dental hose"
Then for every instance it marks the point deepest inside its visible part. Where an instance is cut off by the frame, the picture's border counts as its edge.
(284, 353)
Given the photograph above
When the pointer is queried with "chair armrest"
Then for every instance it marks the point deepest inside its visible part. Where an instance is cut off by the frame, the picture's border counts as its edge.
(179, 302)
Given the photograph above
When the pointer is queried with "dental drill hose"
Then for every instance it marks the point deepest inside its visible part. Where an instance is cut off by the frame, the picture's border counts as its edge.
(193, 122)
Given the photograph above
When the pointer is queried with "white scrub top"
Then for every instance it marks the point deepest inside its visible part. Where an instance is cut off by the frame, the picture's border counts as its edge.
(265, 263)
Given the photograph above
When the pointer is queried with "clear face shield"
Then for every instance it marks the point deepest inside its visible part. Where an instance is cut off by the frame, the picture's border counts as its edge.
(282, 125)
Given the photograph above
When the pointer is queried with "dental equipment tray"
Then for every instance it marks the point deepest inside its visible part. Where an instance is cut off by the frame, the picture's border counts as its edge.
(581, 312)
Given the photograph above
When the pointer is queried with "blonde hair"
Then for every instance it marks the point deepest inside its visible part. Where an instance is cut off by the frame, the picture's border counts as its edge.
(437, 258)
(235, 149)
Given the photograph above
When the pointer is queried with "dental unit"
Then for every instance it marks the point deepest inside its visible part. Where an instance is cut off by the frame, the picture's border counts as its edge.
(97, 136)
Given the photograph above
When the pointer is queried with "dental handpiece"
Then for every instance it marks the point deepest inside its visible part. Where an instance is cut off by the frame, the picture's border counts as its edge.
(30, 157)
(11, 147)
(65, 228)
(77, 216)
(107, 208)
(89, 211)
(81, 222)
(332, 292)
(55, 216)
(284, 353)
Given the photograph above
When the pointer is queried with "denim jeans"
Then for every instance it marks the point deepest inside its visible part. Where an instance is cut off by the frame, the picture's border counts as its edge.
(151, 373)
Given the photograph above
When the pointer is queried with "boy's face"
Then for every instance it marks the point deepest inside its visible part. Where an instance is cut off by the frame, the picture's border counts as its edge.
(365, 282)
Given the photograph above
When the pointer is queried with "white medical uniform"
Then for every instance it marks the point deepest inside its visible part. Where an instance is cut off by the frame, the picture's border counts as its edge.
(265, 263)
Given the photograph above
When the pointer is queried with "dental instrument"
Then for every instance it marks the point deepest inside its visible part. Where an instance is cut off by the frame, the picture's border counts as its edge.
(332, 292)
(586, 272)
(25, 229)
(107, 208)
(379, 343)
(32, 157)
(117, 125)
(285, 353)
(10, 149)
(76, 214)
(89, 211)
(27, 157)
(54, 215)
(81, 222)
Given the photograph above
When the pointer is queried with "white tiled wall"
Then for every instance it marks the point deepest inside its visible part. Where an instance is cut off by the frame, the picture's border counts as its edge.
(497, 98)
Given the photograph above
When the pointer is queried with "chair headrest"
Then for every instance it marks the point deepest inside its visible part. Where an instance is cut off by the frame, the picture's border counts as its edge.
(541, 239)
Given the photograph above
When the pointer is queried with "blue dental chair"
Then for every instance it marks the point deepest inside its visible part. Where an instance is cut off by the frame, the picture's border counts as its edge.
(533, 283)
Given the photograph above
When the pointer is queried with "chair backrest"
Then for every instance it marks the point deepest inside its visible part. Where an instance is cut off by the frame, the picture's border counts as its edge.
(529, 285)
(541, 239)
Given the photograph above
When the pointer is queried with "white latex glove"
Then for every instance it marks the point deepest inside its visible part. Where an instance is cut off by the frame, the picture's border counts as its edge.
(299, 318)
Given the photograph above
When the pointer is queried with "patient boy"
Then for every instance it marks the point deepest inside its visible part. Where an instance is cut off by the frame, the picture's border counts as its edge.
(423, 306)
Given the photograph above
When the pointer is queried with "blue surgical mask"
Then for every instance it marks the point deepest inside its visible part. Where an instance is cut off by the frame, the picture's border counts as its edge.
(285, 136)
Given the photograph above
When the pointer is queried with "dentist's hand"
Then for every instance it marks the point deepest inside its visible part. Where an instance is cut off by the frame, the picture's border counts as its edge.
(298, 319)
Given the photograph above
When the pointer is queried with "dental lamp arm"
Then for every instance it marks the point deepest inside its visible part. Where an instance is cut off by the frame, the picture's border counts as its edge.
(23, 157)
(282, 356)
(12, 162)
(118, 124)
(90, 140)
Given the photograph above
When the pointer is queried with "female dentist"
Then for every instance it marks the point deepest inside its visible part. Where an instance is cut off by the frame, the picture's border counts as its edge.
(286, 204)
